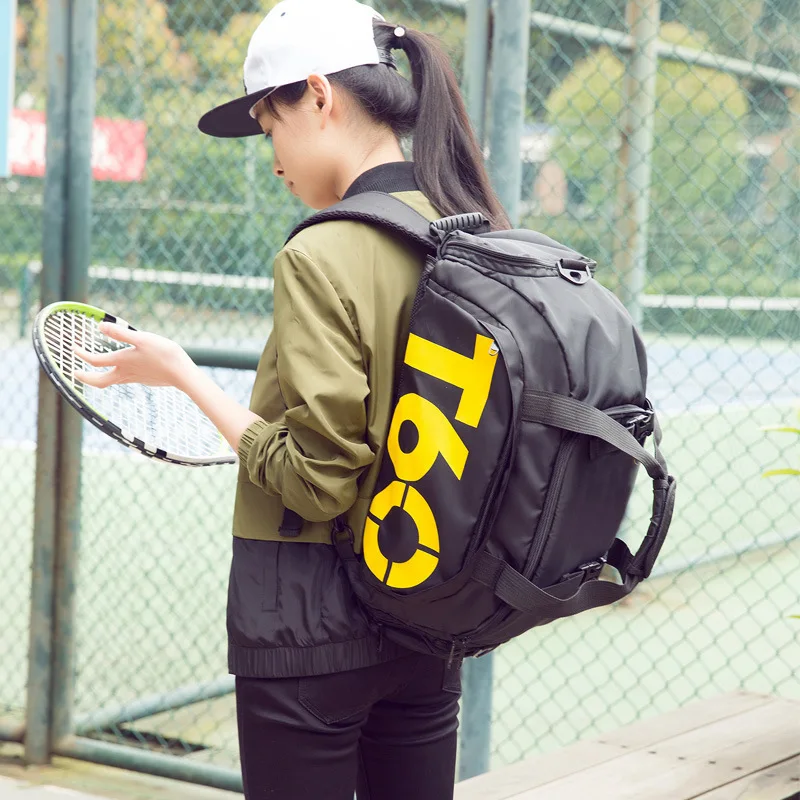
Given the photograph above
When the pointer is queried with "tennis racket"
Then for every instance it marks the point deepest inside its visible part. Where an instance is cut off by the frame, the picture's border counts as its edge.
(160, 422)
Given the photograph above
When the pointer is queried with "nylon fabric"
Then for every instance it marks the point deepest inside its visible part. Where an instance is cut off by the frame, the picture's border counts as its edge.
(511, 357)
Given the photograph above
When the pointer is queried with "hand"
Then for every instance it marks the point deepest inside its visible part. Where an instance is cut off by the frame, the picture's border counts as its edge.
(152, 361)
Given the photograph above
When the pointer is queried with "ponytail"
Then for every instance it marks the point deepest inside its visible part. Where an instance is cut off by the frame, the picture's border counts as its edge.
(447, 156)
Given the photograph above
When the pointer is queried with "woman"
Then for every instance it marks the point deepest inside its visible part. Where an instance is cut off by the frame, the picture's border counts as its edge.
(324, 706)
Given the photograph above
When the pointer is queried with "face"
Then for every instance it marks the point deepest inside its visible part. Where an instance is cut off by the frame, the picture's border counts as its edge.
(307, 145)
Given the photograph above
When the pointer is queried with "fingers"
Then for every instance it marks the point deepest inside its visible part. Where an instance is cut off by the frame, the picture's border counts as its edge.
(98, 359)
(100, 380)
(119, 332)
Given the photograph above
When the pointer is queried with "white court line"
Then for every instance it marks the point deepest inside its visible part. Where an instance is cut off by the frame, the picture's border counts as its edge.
(142, 275)
(706, 409)
(29, 445)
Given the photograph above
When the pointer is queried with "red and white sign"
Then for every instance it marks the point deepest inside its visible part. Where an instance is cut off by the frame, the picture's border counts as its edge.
(118, 147)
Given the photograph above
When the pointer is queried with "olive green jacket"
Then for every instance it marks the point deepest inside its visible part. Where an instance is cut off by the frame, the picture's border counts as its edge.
(325, 383)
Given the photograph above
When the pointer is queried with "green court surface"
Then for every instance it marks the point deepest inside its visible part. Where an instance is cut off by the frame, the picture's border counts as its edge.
(155, 554)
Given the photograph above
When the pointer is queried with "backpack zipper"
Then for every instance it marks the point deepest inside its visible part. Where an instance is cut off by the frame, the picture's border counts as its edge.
(548, 512)
(501, 474)
(500, 477)
(551, 502)
(509, 257)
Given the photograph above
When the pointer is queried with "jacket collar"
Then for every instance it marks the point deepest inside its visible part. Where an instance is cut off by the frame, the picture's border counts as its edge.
(397, 176)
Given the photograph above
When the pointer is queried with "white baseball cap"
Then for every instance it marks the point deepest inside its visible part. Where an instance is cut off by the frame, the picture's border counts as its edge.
(296, 39)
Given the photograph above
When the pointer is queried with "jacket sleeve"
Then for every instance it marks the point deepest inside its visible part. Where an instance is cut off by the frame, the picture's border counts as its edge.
(314, 456)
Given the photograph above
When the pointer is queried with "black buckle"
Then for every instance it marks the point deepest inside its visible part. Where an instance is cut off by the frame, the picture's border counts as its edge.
(341, 532)
(642, 425)
(588, 571)
(291, 524)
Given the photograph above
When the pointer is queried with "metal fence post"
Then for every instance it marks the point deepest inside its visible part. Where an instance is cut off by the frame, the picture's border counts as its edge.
(38, 707)
(510, 44)
(83, 48)
(476, 63)
(635, 153)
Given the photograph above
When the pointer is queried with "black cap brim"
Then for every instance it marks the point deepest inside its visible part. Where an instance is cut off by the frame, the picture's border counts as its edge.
(232, 120)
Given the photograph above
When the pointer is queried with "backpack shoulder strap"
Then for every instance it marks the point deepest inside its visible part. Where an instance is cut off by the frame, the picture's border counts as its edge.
(379, 209)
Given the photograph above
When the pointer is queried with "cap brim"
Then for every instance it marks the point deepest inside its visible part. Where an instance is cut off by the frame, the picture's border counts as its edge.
(232, 120)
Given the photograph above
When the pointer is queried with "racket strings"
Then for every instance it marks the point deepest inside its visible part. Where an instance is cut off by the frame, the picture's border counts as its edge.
(162, 417)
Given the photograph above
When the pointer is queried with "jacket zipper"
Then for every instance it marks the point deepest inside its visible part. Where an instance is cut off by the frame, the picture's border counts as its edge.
(551, 502)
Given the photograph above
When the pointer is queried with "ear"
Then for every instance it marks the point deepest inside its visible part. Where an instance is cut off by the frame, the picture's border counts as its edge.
(322, 96)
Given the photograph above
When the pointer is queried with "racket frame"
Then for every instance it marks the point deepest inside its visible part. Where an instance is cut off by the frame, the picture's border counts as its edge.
(85, 409)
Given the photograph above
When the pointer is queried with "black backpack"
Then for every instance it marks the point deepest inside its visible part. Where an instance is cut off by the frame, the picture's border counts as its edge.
(517, 434)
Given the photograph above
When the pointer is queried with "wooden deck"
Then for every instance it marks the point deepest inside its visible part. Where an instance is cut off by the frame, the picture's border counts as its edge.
(737, 746)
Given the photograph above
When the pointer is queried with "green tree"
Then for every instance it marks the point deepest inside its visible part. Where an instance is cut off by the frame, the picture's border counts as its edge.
(135, 46)
(697, 162)
(188, 16)
(221, 54)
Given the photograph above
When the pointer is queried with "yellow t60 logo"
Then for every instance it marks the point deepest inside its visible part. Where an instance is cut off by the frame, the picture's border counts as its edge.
(436, 436)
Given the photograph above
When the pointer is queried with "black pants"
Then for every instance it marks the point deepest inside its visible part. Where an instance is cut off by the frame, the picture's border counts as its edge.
(387, 731)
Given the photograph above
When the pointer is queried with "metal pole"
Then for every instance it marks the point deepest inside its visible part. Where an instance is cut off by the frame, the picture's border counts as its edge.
(635, 154)
(476, 717)
(154, 704)
(227, 359)
(83, 48)
(510, 44)
(38, 718)
(132, 758)
(476, 63)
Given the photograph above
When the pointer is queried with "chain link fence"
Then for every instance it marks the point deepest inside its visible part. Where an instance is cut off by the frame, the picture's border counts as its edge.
(721, 316)
(20, 241)
(186, 251)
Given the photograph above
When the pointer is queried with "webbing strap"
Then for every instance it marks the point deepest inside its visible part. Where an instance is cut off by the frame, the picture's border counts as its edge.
(519, 593)
(573, 415)
(551, 603)
(572, 596)
(380, 209)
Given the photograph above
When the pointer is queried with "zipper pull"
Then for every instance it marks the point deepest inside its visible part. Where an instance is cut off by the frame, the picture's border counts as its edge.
(452, 654)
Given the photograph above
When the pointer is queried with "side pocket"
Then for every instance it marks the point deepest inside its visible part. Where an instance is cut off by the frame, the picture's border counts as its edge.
(270, 582)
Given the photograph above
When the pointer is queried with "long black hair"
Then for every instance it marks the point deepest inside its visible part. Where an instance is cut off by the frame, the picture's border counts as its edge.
(447, 157)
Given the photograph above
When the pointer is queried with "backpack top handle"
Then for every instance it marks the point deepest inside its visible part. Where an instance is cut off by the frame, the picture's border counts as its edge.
(475, 222)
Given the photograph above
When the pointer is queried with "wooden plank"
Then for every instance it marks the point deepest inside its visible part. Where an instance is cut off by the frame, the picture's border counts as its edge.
(780, 782)
(510, 781)
(687, 765)
(682, 720)
(529, 774)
